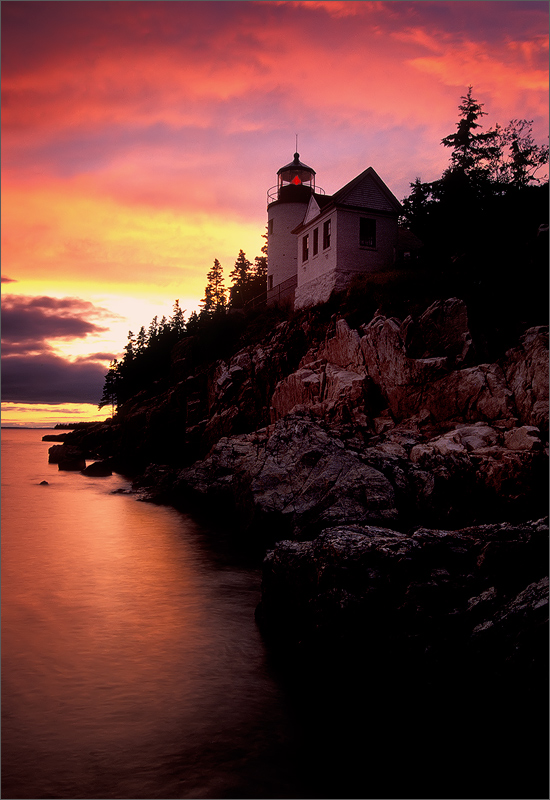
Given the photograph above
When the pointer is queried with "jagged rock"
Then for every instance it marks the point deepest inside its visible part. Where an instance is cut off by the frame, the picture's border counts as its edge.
(343, 349)
(526, 370)
(296, 475)
(387, 591)
(525, 438)
(413, 384)
(324, 387)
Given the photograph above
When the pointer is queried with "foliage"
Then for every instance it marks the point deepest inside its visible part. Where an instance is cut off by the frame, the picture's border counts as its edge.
(147, 357)
(491, 180)
(215, 300)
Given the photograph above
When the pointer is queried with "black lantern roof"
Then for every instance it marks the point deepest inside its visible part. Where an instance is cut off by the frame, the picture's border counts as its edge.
(296, 164)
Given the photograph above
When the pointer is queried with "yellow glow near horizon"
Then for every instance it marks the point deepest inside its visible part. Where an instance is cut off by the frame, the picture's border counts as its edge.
(37, 415)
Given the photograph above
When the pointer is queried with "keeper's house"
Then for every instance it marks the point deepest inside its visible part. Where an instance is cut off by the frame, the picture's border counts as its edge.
(317, 243)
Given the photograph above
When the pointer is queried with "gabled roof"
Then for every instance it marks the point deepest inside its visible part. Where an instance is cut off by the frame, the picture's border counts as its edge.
(366, 191)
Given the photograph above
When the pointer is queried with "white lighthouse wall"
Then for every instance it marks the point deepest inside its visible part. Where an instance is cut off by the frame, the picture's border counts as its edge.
(332, 269)
(282, 249)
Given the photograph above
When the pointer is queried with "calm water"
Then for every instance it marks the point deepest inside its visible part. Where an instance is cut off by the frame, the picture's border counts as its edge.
(132, 668)
(131, 663)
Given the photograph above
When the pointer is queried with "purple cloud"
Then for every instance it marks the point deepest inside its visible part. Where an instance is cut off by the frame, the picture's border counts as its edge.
(29, 322)
(48, 378)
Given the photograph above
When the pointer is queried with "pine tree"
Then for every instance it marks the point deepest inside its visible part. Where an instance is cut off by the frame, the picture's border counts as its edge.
(214, 301)
(177, 320)
(110, 388)
(472, 152)
(241, 276)
(141, 341)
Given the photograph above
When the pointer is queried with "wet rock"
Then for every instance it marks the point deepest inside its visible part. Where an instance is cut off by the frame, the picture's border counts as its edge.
(98, 469)
(71, 464)
(64, 452)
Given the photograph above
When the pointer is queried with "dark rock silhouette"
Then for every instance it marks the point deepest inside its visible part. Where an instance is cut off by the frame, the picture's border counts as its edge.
(399, 480)
(98, 469)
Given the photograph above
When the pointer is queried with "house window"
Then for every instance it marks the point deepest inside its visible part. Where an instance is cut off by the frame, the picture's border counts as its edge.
(315, 241)
(270, 227)
(270, 281)
(326, 234)
(367, 232)
(305, 247)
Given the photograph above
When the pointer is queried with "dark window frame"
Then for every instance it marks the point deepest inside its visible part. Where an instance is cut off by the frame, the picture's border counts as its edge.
(326, 233)
(367, 232)
(305, 248)
(315, 248)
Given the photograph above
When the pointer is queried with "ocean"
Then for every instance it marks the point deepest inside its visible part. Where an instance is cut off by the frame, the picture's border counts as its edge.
(131, 662)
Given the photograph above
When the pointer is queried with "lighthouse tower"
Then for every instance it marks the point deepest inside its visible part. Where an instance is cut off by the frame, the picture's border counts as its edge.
(287, 203)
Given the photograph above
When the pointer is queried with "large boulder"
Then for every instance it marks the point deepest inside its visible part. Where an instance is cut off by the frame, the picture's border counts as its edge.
(60, 453)
(296, 477)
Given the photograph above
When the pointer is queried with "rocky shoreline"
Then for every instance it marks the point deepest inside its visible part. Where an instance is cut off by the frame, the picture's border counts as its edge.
(398, 483)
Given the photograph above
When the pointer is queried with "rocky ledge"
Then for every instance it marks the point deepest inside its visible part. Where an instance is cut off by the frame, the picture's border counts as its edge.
(398, 478)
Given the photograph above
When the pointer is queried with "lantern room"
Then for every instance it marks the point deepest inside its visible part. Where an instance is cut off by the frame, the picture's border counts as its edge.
(295, 181)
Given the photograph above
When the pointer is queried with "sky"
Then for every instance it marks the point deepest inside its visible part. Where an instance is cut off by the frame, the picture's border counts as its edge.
(139, 140)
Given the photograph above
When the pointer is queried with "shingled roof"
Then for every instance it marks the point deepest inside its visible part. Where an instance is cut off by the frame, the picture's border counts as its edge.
(367, 191)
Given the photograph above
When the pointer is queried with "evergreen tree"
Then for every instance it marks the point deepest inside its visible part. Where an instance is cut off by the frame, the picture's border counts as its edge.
(152, 333)
(260, 262)
(214, 300)
(241, 276)
(193, 323)
(141, 341)
(472, 151)
(110, 388)
(177, 320)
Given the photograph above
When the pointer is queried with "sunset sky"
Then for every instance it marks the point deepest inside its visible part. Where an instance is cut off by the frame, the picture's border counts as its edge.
(139, 140)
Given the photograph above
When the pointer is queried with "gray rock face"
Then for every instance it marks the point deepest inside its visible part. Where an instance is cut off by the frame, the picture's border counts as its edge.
(413, 384)
(297, 474)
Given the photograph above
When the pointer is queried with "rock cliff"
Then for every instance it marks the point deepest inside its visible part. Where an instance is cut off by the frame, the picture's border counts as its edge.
(400, 481)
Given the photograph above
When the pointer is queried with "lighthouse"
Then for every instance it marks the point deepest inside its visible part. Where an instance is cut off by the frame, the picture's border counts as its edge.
(287, 203)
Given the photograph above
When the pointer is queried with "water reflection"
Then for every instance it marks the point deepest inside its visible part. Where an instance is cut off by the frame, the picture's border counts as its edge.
(131, 665)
